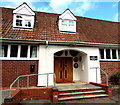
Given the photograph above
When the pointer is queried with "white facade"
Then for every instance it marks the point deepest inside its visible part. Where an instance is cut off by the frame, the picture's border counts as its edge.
(83, 73)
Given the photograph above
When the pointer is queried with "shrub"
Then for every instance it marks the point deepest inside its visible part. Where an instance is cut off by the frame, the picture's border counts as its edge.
(115, 78)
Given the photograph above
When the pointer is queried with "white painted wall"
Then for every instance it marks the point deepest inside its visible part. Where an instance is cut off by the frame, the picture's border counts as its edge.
(83, 73)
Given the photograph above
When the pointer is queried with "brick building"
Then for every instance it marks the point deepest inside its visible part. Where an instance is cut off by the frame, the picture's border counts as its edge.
(67, 45)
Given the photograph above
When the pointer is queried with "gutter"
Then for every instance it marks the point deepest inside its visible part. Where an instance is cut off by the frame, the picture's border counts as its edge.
(62, 43)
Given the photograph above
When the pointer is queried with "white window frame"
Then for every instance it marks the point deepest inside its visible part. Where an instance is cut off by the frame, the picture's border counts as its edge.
(18, 54)
(24, 18)
(67, 28)
(117, 57)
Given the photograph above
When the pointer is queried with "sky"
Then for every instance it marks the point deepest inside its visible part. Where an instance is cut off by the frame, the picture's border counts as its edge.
(96, 9)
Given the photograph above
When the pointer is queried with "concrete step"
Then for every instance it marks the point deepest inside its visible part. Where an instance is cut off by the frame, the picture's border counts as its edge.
(78, 88)
(80, 93)
(82, 97)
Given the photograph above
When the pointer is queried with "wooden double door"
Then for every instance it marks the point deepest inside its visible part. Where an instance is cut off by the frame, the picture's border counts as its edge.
(63, 68)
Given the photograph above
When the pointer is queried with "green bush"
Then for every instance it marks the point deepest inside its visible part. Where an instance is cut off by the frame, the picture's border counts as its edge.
(115, 78)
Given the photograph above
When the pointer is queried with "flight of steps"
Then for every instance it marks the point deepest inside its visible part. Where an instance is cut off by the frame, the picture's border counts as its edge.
(66, 95)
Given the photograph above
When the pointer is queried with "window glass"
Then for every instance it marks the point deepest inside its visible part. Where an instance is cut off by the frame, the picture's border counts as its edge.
(18, 20)
(24, 50)
(4, 51)
(14, 51)
(102, 53)
(108, 54)
(67, 25)
(33, 51)
(114, 56)
(27, 23)
(118, 54)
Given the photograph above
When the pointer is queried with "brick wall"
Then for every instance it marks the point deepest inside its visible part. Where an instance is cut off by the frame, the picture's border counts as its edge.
(12, 69)
(110, 68)
(28, 94)
(36, 94)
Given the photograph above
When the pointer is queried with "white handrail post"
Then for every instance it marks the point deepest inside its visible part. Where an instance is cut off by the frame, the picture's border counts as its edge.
(47, 79)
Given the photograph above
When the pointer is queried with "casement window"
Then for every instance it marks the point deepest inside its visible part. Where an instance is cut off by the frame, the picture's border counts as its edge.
(114, 55)
(19, 20)
(67, 25)
(19, 51)
(23, 51)
(4, 51)
(109, 54)
(23, 21)
(33, 51)
(118, 54)
(102, 53)
(14, 51)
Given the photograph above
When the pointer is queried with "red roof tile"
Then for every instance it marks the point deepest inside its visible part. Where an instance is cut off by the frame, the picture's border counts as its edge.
(46, 28)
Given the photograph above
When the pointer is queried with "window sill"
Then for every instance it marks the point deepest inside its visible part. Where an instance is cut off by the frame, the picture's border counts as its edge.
(18, 58)
(69, 32)
(109, 60)
(23, 28)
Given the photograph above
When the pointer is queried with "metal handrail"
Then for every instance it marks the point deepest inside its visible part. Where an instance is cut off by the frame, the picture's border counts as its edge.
(103, 72)
(18, 79)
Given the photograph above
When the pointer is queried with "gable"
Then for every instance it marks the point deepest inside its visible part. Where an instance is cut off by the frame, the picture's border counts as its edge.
(24, 9)
(67, 15)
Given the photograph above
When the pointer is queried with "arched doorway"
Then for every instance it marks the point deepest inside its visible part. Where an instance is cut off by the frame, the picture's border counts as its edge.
(68, 65)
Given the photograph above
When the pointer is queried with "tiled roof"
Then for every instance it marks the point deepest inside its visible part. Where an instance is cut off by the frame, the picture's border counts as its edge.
(46, 28)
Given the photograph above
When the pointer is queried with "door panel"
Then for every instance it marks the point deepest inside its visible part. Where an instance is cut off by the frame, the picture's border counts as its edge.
(63, 69)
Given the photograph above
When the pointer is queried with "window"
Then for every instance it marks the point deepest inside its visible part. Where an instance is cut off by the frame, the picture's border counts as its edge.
(33, 51)
(18, 51)
(4, 51)
(24, 50)
(102, 53)
(18, 20)
(27, 23)
(67, 25)
(14, 51)
(118, 54)
(114, 56)
(23, 21)
(108, 54)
